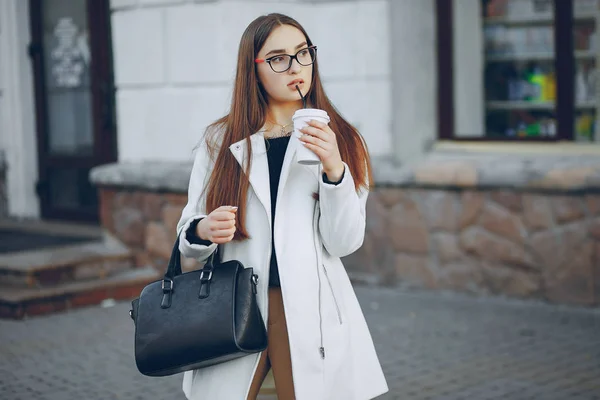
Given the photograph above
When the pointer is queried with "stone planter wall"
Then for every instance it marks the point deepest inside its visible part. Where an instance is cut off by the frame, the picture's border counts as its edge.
(520, 226)
(544, 246)
(145, 221)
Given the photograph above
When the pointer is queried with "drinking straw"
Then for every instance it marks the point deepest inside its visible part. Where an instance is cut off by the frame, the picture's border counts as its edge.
(302, 97)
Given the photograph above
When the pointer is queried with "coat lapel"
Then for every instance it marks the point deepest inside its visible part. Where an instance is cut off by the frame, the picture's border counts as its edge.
(259, 171)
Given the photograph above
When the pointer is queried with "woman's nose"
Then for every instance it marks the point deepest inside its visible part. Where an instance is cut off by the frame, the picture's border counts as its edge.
(296, 67)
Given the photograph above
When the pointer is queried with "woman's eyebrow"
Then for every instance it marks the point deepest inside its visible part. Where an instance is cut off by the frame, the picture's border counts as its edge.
(283, 50)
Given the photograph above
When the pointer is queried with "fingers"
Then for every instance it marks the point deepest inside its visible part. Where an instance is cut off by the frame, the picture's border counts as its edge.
(319, 151)
(222, 216)
(316, 132)
(223, 233)
(220, 224)
(216, 225)
(315, 141)
(320, 125)
(230, 209)
(222, 240)
(224, 213)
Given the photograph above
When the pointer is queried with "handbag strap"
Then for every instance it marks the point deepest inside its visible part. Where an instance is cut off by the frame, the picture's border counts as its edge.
(174, 267)
(214, 259)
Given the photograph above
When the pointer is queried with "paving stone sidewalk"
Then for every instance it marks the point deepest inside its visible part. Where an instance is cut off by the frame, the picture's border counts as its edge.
(436, 346)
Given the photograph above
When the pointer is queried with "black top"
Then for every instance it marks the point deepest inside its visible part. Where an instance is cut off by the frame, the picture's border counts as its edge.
(276, 148)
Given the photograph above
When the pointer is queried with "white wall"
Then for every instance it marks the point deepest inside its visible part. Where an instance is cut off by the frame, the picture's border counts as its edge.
(414, 79)
(17, 117)
(175, 61)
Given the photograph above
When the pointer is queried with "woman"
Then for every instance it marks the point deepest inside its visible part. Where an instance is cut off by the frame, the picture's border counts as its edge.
(319, 344)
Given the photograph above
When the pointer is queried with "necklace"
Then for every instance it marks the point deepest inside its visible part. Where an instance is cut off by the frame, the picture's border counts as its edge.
(282, 130)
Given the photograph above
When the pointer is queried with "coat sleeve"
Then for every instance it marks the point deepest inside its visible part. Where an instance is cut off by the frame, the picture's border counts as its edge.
(343, 215)
(195, 208)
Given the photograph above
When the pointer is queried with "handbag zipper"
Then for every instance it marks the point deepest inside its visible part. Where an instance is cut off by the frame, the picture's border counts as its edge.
(337, 307)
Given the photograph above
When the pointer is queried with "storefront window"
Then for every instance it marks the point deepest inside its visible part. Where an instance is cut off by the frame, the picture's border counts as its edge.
(511, 67)
(586, 75)
(520, 78)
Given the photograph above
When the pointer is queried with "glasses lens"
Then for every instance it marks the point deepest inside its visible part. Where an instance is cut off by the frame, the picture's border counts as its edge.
(307, 56)
(280, 63)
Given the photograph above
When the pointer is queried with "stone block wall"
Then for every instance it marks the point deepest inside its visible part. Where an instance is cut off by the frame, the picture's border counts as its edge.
(498, 242)
(501, 242)
(145, 221)
(518, 226)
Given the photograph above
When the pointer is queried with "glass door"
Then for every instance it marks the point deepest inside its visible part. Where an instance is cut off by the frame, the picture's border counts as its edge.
(74, 102)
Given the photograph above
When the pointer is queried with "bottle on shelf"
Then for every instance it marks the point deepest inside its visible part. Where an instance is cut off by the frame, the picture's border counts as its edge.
(549, 91)
(537, 82)
(584, 126)
(581, 94)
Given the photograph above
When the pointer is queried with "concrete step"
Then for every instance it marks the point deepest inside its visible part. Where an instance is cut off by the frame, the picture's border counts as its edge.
(20, 302)
(53, 266)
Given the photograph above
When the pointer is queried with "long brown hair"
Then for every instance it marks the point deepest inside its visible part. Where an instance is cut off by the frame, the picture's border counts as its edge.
(228, 184)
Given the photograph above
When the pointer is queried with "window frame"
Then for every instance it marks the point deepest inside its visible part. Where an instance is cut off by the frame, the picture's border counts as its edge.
(564, 63)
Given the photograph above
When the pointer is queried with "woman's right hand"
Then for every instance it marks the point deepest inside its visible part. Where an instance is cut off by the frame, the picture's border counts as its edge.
(218, 226)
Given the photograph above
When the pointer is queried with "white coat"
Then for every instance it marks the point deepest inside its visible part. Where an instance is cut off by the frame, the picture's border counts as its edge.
(320, 305)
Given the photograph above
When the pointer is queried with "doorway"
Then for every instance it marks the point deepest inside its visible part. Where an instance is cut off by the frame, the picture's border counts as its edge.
(74, 96)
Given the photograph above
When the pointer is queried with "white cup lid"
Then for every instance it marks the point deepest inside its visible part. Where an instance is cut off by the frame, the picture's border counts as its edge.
(311, 112)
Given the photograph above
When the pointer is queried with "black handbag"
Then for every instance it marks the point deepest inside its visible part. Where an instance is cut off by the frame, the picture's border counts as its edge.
(196, 319)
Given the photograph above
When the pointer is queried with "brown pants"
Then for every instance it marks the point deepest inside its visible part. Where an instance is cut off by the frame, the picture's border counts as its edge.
(277, 354)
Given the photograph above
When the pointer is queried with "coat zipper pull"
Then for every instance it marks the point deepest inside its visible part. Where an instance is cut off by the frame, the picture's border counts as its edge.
(254, 283)
(322, 351)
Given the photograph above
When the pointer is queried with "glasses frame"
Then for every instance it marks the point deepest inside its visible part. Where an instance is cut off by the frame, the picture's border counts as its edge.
(292, 58)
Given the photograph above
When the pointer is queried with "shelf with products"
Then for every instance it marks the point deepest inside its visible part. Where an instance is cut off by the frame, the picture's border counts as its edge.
(539, 64)
(534, 105)
(520, 61)
(520, 123)
(541, 56)
(585, 79)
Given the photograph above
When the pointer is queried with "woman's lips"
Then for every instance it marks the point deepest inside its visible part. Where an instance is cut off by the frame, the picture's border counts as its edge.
(295, 82)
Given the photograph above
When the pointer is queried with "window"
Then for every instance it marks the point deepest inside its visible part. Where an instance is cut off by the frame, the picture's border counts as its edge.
(518, 70)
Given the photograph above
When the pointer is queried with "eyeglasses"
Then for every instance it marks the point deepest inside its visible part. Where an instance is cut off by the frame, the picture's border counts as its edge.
(283, 62)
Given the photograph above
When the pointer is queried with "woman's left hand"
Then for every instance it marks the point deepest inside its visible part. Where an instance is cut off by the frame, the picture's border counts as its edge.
(319, 138)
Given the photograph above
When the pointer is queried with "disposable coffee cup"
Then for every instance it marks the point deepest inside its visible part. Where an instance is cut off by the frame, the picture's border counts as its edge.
(300, 119)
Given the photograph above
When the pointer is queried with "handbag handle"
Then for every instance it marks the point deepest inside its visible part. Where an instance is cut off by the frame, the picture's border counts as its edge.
(174, 267)
(213, 259)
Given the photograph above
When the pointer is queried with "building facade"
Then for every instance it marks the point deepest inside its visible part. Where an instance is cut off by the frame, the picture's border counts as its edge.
(479, 116)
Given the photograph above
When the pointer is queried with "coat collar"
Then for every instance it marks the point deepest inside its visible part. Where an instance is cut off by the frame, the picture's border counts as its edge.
(259, 171)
